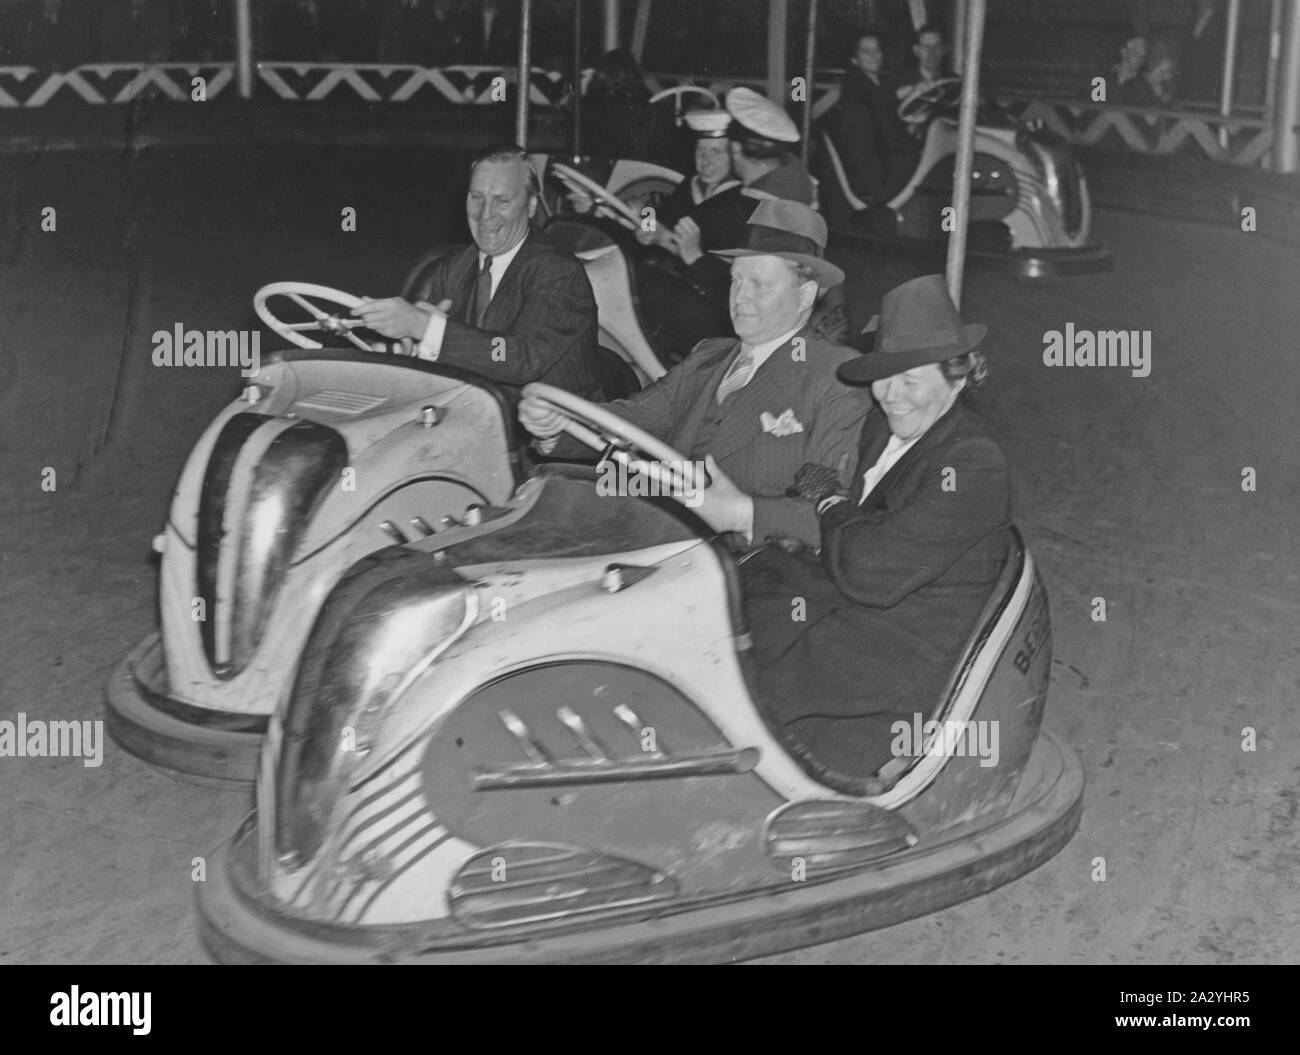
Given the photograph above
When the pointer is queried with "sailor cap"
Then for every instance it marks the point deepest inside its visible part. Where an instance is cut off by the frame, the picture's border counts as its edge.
(760, 116)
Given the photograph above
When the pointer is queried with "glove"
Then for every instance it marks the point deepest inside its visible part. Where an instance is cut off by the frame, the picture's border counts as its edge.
(816, 483)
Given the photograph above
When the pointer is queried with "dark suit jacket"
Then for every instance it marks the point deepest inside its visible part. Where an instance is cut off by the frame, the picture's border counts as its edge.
(889, 606)
(539, 326)
(680, 407)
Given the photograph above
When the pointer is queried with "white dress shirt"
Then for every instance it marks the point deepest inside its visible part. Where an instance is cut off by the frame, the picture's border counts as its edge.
(431, 343)
(757, 355)
(894, 450)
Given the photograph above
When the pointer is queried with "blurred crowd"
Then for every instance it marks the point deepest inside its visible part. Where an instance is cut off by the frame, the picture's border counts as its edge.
(61, 34)
(1165, 66)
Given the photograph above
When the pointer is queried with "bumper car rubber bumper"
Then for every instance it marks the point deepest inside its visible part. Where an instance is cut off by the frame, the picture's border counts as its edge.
(1020, 263)
(237, 924)
(151, 724)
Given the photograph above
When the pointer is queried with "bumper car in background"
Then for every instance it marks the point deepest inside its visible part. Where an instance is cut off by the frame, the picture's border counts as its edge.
(545, 743)
(1030, 210)
(328, 455)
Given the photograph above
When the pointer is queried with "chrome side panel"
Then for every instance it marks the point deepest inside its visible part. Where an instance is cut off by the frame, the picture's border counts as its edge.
(257, 535)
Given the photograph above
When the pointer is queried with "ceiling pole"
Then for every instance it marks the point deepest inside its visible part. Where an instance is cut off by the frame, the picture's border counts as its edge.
(577, 80)
(525, 72)
(640, 27)
(1232, 21)
(613, 27)
(958, 35)
(1274, 50)
(1286, 111)
(244, 48)
(970, 92)
(777, 10)
(809, 69)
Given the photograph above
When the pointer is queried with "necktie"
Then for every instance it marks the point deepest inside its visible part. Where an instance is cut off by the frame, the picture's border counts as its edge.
(482, 293)
(738, 376)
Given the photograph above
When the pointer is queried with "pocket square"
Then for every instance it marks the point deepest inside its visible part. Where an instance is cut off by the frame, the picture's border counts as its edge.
(786, 425)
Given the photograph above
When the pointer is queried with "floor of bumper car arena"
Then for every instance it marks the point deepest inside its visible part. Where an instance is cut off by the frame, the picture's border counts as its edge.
(1128, 489)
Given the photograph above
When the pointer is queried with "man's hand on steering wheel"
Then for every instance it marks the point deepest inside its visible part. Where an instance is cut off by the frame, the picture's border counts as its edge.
(397, 318)
(539, 419)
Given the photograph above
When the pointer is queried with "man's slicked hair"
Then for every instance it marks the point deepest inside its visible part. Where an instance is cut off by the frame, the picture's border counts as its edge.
(503, 152)
(931, 27)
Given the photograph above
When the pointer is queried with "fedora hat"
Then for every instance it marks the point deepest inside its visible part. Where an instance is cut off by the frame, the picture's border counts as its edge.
(917, 324)
(792, 231)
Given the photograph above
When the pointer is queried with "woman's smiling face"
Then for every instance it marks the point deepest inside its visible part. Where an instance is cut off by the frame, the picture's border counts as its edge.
(915, 399)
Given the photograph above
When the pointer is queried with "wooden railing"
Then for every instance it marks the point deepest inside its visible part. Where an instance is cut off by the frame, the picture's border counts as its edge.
(1240, 140)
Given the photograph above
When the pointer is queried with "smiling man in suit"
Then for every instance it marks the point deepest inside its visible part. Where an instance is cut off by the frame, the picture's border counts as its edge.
(511, 307)
(757, 406)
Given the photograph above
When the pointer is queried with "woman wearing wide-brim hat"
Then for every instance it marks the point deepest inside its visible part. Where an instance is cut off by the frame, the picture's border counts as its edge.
(908, 557)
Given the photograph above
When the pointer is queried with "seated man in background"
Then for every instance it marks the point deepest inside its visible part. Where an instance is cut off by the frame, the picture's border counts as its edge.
(705, 212)
(510, 307)
(763, 144)
(759, 405)
(761, 138)
(698, 196)
(877, 153)
(931, 51)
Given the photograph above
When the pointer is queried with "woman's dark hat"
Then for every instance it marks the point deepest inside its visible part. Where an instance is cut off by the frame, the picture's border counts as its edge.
(917, 324)
(792, 231)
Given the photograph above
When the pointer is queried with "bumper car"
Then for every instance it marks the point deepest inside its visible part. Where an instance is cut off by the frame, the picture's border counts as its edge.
(1030, 211)
(326, 456)
(544, 743)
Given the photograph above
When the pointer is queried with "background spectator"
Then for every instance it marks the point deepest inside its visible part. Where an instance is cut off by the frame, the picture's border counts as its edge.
(48, 34)
(132, 31)
(617, 118)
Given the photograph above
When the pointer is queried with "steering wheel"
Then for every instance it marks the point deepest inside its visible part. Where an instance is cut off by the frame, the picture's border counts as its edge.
(943, 93)
(620, 440)
(320, 320)
(606, 202)
(678, 93)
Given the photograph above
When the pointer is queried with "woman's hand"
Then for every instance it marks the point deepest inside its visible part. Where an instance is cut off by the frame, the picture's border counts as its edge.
(722, 505)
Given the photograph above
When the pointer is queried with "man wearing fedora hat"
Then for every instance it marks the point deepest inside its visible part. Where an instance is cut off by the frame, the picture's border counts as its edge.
(908, 555)
(758, 406)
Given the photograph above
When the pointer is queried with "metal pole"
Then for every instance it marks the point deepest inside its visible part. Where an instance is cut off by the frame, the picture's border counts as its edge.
(958, 34)
(1287, 110)
(525, 72)
(613, 28)
(1232, 22)
(776, 30)
(577, 80)
(1274, 50)
(970, 93)
(640, 28)
(244, 48)
(809, 65)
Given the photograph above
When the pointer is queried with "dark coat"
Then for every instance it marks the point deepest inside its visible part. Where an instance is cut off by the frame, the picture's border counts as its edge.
(543, 310)
(872, 140)
(891, 601)
(681, 408)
